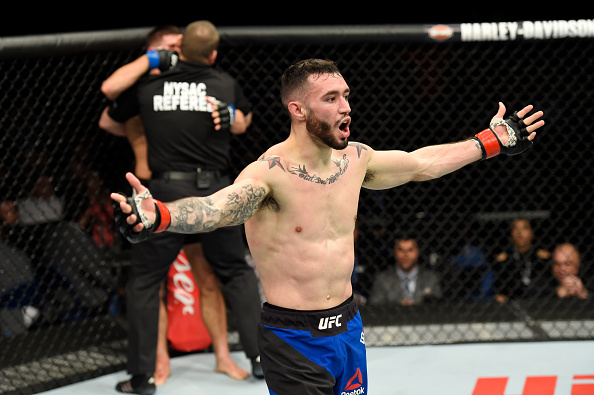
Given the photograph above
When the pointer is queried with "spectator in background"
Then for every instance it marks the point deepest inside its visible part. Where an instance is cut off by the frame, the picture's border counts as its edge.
(97, 219)
(61, 253)
(18, 308)
(522, 268)
(407, 282)
(566, 266)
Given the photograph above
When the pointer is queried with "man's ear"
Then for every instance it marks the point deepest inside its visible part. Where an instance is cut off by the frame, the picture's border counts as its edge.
(213, 57)
(297, 110)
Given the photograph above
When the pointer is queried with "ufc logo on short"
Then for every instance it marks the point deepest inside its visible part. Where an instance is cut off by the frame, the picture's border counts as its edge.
(326, 323)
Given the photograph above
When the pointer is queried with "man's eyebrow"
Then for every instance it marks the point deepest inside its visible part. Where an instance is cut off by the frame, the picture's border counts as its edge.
(335, 92)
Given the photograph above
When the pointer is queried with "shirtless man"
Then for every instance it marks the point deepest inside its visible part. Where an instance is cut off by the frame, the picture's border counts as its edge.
(299, 205)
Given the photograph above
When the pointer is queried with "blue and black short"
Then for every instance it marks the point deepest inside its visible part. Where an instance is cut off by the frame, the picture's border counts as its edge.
(313, 352)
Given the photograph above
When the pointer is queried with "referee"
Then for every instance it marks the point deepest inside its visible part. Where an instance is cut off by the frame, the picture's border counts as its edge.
(188, 156)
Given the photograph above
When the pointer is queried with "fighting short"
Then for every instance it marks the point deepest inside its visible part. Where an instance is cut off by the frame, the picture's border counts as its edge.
(313, 352)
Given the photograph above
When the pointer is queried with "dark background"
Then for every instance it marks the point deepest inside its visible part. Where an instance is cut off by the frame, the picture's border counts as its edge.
(28, 19)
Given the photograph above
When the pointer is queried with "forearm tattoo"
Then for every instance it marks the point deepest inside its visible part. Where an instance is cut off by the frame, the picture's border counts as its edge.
(196, 215)
(193, 215)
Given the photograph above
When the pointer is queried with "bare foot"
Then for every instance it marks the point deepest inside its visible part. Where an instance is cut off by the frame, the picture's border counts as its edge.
(163, 370)
(230, 368)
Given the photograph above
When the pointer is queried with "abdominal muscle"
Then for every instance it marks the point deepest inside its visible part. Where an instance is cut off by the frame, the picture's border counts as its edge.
(302, 273)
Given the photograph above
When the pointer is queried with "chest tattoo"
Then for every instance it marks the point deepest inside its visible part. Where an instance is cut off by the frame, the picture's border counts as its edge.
(302, 172)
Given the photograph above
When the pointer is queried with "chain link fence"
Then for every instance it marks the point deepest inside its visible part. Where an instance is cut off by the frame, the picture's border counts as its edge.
(63, 268)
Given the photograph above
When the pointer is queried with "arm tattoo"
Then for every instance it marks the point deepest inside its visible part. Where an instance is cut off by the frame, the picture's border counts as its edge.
(193, 215)
(241, 206)
(199, 214)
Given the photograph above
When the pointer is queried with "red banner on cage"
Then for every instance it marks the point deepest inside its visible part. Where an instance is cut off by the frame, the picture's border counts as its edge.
(186, 331)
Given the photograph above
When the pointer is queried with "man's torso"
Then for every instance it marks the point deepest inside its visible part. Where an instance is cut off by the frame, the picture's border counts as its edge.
(302, 236)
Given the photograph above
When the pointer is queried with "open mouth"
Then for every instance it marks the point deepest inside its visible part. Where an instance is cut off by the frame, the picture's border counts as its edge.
(344, 127)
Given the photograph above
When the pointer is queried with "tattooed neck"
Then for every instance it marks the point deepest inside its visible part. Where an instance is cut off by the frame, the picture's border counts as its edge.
(302, 172)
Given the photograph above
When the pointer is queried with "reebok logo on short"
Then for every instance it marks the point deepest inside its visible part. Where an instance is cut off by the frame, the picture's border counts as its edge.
(328, 322)
(354, 385)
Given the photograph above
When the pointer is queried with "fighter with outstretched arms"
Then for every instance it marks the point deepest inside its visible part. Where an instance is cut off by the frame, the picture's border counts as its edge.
(299, 205)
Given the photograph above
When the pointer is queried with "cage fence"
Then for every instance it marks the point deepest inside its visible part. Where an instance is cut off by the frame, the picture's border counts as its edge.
(63, 267)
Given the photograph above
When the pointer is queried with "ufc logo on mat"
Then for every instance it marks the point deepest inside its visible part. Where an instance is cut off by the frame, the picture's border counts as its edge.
(534, 385)
(326, 323)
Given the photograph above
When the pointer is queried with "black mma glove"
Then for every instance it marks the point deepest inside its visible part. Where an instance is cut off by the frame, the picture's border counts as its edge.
(226, 114)
(161, 222)
(517, 138)
(162, 59)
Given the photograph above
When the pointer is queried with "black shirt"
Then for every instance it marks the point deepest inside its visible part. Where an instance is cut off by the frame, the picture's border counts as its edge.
(523, 276)
(177, 118)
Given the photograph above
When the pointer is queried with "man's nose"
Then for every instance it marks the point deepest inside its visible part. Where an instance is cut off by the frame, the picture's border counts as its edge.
(345, 107)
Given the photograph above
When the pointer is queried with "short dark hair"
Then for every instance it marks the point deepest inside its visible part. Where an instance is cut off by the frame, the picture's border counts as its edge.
(404, 236)
(296, 75)
(155, 35)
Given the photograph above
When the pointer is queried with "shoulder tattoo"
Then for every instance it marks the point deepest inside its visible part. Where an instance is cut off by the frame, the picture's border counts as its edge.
(359, 147)
(273, 161)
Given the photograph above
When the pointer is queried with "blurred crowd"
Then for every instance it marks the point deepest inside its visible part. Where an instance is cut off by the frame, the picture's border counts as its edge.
(395, 268)
(55, 236)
